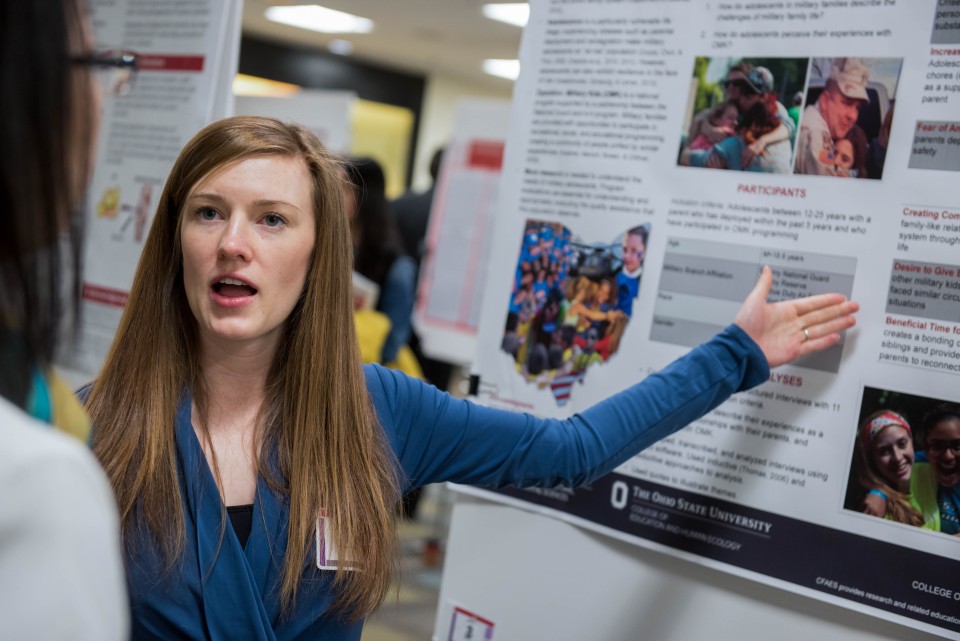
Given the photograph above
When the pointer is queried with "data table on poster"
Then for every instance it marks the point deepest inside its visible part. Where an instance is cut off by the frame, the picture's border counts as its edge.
(703, 284)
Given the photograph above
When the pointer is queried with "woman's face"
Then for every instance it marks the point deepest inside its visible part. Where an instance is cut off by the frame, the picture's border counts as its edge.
(943, 450)
(845, 154)
(892, 456)
(247, 232)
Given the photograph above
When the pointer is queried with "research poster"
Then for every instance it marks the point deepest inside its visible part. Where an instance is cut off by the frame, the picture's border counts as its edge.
(660, 154)
(188, 54)
(450, 285)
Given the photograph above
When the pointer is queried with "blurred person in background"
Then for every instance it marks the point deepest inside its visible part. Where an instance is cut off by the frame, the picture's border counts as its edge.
(377, 252)
(412, 214)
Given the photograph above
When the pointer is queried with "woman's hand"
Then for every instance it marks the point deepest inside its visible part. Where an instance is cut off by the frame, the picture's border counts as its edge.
(790, 329)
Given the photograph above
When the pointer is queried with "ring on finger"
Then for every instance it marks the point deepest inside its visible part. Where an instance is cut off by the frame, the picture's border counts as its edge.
(806, 334)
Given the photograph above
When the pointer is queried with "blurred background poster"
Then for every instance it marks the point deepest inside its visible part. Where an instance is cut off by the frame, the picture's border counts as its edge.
(458, 242)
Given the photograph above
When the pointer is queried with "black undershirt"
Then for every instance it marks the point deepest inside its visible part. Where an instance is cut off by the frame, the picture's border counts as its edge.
(241, 518)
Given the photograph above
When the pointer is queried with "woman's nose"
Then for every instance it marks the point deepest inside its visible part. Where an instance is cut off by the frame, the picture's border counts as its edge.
(235, 241)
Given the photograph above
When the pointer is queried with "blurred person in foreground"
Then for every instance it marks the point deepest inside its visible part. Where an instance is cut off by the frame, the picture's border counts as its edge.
(61, 574)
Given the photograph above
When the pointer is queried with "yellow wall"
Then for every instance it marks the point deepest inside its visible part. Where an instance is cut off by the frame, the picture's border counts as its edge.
(383, 132)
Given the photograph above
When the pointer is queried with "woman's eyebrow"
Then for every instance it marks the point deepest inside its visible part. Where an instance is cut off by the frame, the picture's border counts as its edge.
(264, 202)
(269, 202)
(207, 196)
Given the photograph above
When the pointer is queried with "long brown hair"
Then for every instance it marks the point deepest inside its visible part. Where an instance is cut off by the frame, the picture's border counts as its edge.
(318, 420)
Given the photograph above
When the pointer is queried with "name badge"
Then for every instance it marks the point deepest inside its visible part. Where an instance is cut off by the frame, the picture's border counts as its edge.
(327, 556)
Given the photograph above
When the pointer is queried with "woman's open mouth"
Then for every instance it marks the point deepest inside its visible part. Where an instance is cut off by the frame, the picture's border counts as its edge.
(233, 288)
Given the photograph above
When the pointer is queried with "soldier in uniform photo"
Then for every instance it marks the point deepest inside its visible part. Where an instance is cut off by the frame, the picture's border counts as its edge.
(831, 119)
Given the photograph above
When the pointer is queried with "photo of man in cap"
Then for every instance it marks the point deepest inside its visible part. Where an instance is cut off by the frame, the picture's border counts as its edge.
(829, 121)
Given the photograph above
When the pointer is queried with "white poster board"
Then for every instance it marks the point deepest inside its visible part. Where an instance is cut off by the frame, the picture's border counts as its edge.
(188, 56)
(453, 275)
(765, 487)
(325, 113)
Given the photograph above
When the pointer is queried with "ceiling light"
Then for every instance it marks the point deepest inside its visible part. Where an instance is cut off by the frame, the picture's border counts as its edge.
(340, 47)
(317, 18)
(508, 69)
(515, 13)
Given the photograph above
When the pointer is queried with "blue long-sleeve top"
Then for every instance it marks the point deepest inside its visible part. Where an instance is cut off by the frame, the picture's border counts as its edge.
(222, 591)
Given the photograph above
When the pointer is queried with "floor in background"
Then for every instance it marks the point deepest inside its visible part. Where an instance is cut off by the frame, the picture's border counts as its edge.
(409, 615)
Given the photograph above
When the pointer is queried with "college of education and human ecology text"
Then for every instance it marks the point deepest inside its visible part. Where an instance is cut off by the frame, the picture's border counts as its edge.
(643, 191)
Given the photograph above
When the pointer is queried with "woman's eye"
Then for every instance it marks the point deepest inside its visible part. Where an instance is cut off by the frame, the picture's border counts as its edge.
(273, 220)
(207, 213)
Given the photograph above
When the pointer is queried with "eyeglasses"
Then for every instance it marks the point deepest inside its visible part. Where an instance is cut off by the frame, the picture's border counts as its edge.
(115, 69)
(739, 84)
(940, 447)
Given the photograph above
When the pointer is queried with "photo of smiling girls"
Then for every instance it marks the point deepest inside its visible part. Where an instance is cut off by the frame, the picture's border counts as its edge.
(845, 126)
(906, 466)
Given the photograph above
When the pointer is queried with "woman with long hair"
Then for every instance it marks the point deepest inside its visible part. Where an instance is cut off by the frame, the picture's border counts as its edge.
(256, 463)
(887, 471)
(60, 566)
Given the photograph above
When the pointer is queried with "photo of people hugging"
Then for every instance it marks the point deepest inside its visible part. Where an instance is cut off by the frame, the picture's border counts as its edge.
(737, 116)
(571, 302)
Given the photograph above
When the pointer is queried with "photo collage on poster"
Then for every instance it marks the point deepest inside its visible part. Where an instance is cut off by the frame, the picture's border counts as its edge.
(571, 303)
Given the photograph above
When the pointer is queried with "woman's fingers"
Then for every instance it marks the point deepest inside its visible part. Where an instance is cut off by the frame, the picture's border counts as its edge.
(840, 314)
(804, 306)
(816, 344)
(821, 329)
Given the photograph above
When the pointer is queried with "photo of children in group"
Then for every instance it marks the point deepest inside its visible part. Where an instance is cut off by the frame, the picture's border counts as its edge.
(743, 113)
(845, 126)
(906, 462)
(571, 302)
